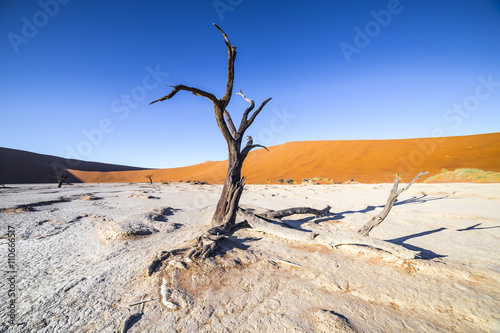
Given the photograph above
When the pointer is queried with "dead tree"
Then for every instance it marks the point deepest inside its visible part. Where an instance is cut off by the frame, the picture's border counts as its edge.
(223, 220)
(225, 213)
(61, 176)
(150, 177)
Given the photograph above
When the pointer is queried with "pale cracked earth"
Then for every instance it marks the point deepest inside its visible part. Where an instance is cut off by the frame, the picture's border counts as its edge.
(82, 252)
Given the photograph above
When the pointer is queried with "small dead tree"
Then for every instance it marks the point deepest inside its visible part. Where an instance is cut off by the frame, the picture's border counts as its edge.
(61, 176)
(150, 177)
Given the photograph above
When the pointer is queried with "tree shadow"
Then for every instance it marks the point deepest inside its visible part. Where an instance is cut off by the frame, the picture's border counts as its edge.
(413, 200)
(474, 227)
(235, 242)
(424, 253)
(131, 321)
(421, 199)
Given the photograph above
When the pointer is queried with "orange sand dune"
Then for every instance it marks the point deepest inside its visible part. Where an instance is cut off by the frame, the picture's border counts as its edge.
(366, 161)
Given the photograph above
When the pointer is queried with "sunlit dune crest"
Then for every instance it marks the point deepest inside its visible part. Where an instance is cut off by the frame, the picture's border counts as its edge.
(365, 161)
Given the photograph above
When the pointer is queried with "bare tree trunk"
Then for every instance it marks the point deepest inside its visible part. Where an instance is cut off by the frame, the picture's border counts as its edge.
(225, 211)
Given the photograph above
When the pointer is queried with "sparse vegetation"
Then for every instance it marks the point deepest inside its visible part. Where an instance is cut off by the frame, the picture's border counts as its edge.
(197, 182)
(465, 175)
(289, 181)
(281, 181)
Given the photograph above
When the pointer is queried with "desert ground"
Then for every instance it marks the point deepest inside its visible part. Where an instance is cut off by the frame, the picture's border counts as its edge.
(82, 252)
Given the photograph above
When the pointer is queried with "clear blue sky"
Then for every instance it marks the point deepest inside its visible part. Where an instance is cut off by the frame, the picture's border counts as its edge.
(336, 70)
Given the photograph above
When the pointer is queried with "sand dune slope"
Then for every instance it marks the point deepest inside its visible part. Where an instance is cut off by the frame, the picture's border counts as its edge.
(366, 161)
(24, 167)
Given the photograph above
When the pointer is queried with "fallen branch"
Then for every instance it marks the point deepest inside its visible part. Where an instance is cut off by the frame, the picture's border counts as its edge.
(270, 223)
(332, 239)
(277, 261)
(295, 210)
(376, 220)
(140, 302)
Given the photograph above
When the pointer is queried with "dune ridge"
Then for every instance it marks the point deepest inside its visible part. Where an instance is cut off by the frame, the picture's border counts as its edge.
(24, 167)
(365, 161)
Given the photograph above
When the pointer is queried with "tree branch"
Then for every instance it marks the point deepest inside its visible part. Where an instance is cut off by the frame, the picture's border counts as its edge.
(244, 119)
(247, 149)
(245, 122)
(230, 124)
(377, 219)
(195, 91)
(256, 112)
(333, 239)
(231, 50)
(295, 210)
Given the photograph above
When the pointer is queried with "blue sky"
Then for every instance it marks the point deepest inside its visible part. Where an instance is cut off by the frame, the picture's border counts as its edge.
(77, 76)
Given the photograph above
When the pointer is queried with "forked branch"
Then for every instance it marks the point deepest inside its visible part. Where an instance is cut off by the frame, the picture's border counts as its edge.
(250, 108)
(377, 219)
(332, 239)
(245, 122)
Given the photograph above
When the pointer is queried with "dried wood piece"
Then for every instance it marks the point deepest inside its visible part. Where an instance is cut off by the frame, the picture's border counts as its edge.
(165, 292)
(295, 210)
(276, 261)
(377, 219)
(334, 239)
(142, 301)
(155, 264)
